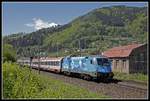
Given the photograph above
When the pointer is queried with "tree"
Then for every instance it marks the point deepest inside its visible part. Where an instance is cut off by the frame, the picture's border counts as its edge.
(9, 53)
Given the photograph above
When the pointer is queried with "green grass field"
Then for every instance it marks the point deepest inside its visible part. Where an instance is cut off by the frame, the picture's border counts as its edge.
(135, 77)
(19, 82)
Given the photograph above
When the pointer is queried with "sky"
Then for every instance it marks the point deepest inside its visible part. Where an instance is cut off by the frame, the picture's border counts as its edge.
(28, 17)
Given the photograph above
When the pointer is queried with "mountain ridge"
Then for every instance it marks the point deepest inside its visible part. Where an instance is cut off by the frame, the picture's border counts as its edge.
(99, 29)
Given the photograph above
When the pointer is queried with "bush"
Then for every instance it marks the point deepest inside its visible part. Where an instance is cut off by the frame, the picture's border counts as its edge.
(9, 53)
(19, 82)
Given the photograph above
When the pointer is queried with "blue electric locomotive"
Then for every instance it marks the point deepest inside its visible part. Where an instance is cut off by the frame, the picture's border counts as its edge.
(88, 67)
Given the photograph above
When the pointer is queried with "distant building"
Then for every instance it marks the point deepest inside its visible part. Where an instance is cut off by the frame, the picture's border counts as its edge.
(128, 59)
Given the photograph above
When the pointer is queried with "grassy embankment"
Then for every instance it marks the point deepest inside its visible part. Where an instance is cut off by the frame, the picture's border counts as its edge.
(139, 77)
(21, 83)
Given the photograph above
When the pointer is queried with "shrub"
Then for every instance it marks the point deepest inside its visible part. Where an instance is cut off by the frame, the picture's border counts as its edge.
(19, 82)
(9, 53)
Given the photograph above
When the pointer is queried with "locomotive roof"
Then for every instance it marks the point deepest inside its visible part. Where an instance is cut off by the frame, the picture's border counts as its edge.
(90, 56)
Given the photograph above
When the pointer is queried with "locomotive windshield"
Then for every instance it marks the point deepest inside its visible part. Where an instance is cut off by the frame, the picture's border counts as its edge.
(102, 61)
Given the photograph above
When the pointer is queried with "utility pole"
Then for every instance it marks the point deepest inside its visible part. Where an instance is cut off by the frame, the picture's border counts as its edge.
(57, 48)
(79, 46)
(39, 61)
(85, 43)
(23, 58)
(31, 62)
(100, 38)
(30, 58)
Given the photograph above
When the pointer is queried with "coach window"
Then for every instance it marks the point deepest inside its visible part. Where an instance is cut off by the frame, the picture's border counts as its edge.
(45, 62)
(56, 63)
(53, 63)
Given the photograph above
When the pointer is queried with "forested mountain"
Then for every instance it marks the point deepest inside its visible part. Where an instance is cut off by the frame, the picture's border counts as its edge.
(94, 32)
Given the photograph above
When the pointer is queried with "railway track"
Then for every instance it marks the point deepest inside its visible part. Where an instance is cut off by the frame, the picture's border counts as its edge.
(136, 82)
(115, 89)
(132, 84)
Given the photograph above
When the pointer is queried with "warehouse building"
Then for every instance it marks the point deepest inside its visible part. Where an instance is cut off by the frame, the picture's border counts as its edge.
(129, 59)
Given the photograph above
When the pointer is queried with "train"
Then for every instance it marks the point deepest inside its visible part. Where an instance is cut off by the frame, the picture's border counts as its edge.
(86, 67)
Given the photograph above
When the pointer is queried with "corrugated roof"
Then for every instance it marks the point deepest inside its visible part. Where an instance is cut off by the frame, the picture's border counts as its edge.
(121, 51)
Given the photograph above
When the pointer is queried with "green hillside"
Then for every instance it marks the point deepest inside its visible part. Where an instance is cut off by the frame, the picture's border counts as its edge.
(94, 32)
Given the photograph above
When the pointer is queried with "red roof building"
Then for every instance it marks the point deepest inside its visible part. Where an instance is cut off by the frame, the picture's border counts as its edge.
(122, 51)
(128, 59)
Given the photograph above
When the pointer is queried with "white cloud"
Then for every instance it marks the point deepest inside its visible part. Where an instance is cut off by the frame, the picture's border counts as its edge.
(29, 25)
(39, 24)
